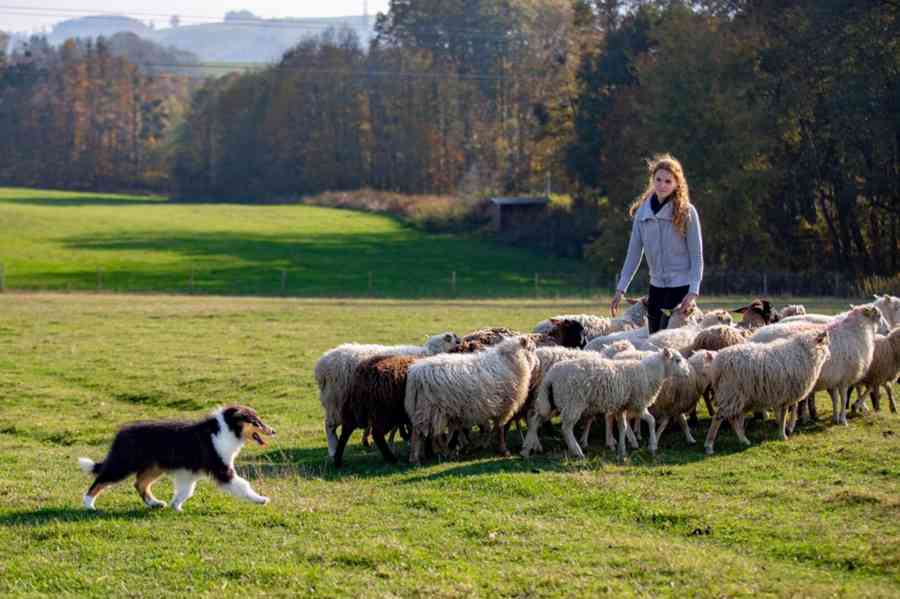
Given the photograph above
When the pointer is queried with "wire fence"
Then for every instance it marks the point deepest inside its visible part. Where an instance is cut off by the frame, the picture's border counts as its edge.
(391, 284)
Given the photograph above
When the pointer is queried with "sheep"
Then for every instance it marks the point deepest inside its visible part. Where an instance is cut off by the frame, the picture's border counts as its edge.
(888, 305)
(695, 320)
(791, 310)
(852, 343)
(617, 347)
(757, 313)
(375, 397)
(883, 370)
(764, 376)
(719, 337)
(462, 390)
(595, 326)
(682, 338)
(334, 370)
(679, 395)
(586, 386)
(565, 332)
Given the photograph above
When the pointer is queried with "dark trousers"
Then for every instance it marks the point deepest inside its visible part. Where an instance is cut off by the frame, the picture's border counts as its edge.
(663, 298)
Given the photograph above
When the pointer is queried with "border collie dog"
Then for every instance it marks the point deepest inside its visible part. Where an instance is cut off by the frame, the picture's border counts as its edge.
(186, 451)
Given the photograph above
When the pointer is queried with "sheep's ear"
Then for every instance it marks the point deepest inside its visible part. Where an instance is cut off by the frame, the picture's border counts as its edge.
(710, 356)
(741, 310)
(668, 353)
(555, 321)
(631, 301)
(523, 341)
(822, 338)
(644, 300)
(448, 338)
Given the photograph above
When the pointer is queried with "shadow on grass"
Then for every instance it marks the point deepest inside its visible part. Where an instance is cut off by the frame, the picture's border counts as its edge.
(58, 514)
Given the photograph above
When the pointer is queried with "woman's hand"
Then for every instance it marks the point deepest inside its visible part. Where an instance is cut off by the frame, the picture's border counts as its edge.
(614, 304)
(688, 303)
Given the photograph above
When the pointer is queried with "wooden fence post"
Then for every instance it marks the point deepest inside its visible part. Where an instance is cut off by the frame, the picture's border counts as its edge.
(453, 282)
(99, 279)
(371, 282)
(283, 280)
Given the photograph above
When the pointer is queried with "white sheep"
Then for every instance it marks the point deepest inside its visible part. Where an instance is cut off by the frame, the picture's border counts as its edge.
(594, 326)
(719, 337)
(882, 371)
(851, 345)
(888, 306)
(588, 386)
(792, 310)
(458, 391)
(334, 372)
(765, 376)
(679, 395)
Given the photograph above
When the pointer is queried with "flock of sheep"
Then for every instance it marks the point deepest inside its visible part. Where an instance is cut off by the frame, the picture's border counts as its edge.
(581, 366)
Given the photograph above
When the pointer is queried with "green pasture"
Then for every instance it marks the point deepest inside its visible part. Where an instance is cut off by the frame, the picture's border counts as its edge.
(65, 241)
(816, 516)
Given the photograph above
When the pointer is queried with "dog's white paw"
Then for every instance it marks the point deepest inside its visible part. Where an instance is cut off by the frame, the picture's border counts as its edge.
(262, 500)
(155, 503)
(89, 503)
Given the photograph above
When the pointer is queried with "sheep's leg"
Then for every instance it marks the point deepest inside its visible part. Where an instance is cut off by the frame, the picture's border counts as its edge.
(586, 433)
(501, 437)
(331, 436)
(708, 400)
(783, 413)
(709, 444)
(568, 431)
(346, 431)
(737, 423)
(532, 442)
(415, 447)
(623, 431)
(811, 406)
(685, 428)
(633, 440)
(636, 435)
(647, 417)
(842, 396)
(378, 432)
(792, 417)
(835, 406)
(875, 396)
(610, 441)
(365, 436)
(663, 423)
(803, 410)
(890, 395)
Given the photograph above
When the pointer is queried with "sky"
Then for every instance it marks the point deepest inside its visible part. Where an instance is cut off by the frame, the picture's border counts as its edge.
(33, 15)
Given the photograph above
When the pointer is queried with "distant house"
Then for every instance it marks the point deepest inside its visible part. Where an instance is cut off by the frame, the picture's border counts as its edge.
(514, 212)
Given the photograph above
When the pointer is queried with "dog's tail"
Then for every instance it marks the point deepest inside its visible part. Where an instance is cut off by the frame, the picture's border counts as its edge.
(88, 466)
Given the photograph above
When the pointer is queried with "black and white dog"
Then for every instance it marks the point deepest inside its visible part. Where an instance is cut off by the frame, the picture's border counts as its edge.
(186, 451)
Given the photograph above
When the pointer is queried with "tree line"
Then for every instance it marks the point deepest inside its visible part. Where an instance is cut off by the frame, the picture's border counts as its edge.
(786, 116)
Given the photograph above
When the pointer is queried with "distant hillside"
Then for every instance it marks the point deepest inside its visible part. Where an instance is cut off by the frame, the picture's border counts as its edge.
(240, 38)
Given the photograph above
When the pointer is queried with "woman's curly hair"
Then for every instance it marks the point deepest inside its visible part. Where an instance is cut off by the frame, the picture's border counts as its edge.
(681, 200)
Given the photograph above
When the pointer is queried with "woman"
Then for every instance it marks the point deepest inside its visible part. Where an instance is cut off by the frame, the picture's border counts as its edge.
(667, 228)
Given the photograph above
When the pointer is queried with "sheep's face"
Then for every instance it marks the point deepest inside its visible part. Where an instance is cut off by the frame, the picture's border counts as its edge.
(872, 315)
(821, 341)
(701, 361)
(676, 364)
(890, 308)
(717, 317)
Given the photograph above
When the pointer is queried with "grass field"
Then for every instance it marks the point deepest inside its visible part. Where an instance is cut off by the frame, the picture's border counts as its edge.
(78, 241)
(816, 516)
